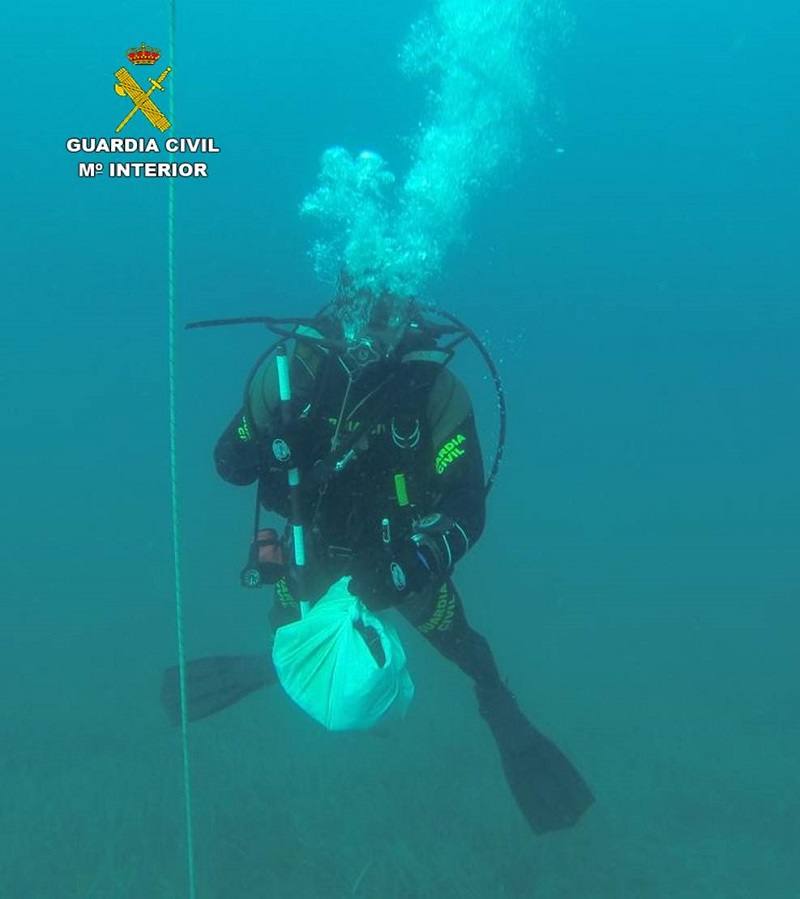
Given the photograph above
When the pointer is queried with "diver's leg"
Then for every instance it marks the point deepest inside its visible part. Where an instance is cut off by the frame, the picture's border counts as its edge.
(550, 793)
(285, 608)
(440, 618)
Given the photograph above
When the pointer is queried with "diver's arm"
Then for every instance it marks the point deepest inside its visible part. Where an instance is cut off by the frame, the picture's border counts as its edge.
(239, 453)
(454, 471)
(460, 481)
(460, 505)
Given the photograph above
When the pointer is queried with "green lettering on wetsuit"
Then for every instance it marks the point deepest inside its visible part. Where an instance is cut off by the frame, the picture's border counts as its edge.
(243, 431)
(449, 453)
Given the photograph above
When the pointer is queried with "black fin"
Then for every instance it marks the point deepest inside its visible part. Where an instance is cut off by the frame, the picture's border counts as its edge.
(214, 683)
(549, 791)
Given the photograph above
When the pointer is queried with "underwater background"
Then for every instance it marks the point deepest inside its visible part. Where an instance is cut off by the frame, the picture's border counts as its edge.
(630, 256)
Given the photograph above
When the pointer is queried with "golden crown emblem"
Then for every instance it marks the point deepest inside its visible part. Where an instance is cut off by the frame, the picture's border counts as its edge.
(143, 55)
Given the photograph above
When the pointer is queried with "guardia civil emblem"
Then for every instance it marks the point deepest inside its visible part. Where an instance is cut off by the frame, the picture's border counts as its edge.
(127, 86)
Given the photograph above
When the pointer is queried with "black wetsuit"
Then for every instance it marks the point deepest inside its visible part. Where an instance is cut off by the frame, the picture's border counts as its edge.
(403, 435)
(408, 433)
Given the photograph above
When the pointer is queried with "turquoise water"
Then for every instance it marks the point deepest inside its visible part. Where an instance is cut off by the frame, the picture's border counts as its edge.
(631, 261)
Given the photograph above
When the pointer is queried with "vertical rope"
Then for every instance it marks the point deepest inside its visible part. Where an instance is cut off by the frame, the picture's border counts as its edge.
(173, 478)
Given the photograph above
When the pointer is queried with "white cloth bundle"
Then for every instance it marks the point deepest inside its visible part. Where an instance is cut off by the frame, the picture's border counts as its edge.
(326, 667)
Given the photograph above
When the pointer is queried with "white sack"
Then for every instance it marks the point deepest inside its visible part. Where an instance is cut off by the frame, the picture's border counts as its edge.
(326, 667)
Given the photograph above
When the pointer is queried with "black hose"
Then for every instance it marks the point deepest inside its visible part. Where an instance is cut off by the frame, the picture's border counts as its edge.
(498, 384)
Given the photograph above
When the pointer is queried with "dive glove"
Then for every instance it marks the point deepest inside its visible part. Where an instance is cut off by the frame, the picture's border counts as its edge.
(381, 580)
(411, 566)
(292, 445)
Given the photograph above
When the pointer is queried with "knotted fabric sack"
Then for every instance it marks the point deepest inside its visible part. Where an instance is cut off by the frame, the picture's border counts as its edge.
(326, 667)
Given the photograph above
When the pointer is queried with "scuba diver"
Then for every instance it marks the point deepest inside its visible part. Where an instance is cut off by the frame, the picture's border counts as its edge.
(393, 494)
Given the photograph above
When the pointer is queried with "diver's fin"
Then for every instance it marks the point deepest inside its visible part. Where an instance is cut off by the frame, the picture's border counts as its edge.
(550, 793)
(214, 683)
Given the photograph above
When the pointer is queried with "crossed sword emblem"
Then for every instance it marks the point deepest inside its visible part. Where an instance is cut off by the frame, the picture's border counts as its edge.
(127, 86)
